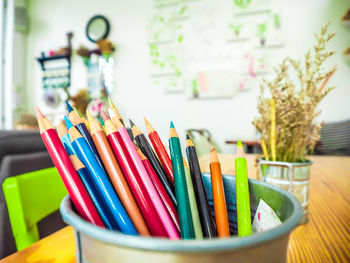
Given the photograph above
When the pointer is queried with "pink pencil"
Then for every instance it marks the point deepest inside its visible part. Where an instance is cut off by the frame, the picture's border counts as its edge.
(151, 190)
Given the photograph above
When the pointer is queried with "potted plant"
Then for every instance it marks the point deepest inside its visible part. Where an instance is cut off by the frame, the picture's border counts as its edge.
(287, 118)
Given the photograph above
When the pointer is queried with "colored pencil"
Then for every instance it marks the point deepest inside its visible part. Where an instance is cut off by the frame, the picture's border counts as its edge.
(147, 150)
(151, 190)
(115, 113)
(85, 176)
(63, 134)
(134, 180)
(217, 185)
(116, 176)
(198, 233)
(183, 205)
(121, 220)
(160, 188)
(273, 129)
(160, 150)
(80, 125)
(76, 190)
(199, 191)
(242, 193)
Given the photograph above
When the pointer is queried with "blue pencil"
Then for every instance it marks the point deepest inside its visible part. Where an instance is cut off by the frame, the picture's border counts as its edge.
(80, 125)
(101, 181)
(85, 177)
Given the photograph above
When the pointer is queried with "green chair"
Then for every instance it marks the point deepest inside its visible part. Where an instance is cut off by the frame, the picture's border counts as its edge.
(31, 197)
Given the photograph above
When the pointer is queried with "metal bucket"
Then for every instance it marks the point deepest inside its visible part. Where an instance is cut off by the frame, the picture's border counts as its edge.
(292, 177)
(98, 245)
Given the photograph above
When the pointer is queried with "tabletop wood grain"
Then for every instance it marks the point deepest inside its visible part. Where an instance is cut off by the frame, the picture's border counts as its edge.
(325, 238)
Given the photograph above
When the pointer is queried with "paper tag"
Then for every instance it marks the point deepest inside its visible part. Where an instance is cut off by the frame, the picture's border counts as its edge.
(265, 218)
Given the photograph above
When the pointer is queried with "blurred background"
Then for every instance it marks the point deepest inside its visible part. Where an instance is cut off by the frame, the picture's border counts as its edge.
(197, 63)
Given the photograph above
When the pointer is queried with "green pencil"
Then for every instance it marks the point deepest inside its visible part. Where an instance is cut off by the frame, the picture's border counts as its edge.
(183, 205)
(198, 233)
(242, 193)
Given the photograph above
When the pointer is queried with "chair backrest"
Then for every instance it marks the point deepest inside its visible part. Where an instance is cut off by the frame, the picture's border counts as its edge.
(202, 140)
(335, 139)
(31, 197)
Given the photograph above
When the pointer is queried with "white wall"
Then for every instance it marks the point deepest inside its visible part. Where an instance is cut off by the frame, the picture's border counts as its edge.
(135, 95)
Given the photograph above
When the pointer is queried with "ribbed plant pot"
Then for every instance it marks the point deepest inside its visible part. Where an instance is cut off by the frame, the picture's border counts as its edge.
(292, 177)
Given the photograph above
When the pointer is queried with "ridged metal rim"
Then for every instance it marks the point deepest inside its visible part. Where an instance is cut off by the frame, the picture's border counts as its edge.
(189, 246)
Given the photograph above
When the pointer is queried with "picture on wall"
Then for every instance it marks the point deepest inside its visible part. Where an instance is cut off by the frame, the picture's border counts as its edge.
(250, 6)
(211, 84)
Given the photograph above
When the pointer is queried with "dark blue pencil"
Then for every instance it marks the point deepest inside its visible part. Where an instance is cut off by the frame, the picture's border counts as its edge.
(85, 177)
(101, 181)
(80, 125)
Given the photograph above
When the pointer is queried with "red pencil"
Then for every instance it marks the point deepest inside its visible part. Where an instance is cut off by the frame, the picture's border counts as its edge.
(135, 183)
(70, 178)
(160, 150)
(161, 190)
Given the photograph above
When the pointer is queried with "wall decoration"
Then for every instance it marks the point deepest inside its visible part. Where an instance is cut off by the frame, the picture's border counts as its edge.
(211, 84)
(239, 28)
(251, 6)
(170, 84)
(165, 59)
(269, 30)
(255, 62)
(56, 72)
(160, 29)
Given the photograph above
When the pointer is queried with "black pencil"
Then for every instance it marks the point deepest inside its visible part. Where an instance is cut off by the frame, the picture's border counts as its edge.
(199, 191)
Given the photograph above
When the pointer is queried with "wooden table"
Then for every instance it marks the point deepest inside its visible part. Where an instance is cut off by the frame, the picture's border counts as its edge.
(326, 238)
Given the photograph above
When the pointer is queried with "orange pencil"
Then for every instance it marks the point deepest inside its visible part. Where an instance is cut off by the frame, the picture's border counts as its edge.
(218, 196)
(116, 176)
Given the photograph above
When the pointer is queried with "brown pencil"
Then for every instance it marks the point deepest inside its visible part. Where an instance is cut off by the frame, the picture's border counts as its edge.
(116, 176)
(218, 196)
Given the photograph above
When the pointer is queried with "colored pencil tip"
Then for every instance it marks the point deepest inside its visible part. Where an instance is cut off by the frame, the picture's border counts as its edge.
(104, 116)
(89, 116)
(110, 102)
(212, 149)
(69, 107)
(239, 144)
(131, 123)
(172, 125)
(68, 123)
(188, 137)
(39, 114)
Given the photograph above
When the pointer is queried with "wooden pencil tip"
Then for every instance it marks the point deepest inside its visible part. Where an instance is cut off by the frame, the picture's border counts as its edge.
(240, 150)
(239, 143)
(89, 116)
(104, 116)
(189, 142)
(69, 107)
(131, 123)
(188, 137)
(213, 156)
(68, 123)
(172, 125)
(110, 102)
(39, 114)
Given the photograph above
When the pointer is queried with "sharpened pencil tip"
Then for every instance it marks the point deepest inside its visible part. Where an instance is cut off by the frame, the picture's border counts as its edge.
(69, 107)
(188, 137)
(239, 143)
(110, 102)
(68, 123)
(131, 123)
(39, 114)
(172, 125)
(212, 149)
